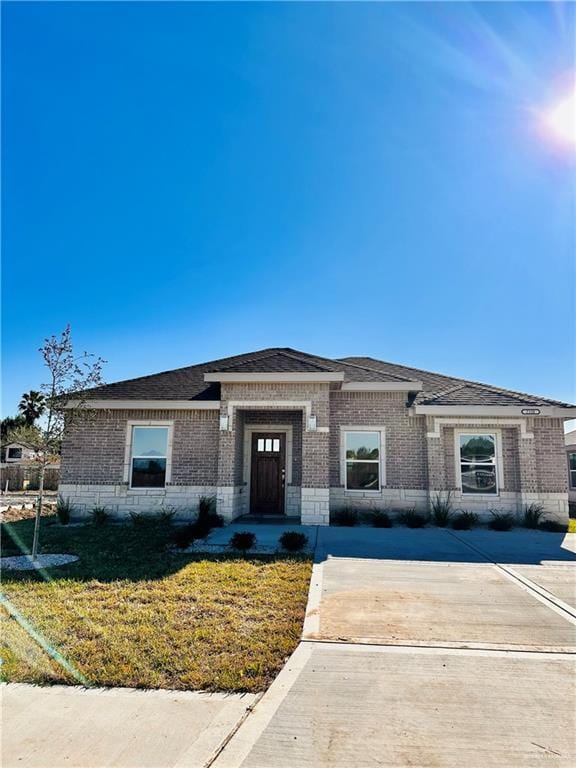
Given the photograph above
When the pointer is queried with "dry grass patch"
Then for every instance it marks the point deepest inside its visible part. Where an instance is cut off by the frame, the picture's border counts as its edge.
(130, 613)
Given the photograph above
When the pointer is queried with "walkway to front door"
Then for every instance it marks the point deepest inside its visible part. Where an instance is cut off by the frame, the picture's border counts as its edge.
(267, 474)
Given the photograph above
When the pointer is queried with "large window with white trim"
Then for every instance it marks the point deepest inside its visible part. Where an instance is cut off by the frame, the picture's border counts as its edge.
(478, 464)
(572, 469)
(362, 461)
(149, 457)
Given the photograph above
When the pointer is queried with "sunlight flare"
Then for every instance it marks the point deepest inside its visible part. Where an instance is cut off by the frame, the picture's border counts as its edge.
(560, 120)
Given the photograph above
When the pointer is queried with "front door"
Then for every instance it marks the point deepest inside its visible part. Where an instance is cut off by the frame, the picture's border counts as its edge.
(267, 473)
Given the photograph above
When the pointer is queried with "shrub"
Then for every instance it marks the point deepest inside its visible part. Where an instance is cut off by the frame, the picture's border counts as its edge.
(501, 521)
(552, 526)
(64, 510)
(441, 509)
(464, 521)
(346, 517)
(413, 519)
(207, 517)
(99, 515)
(166, 514)
(184, 535)
(380, 519)
(293, 541)
(533, 514)
(243, 540)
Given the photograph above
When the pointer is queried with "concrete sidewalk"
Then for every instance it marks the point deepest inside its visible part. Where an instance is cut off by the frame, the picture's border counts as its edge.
(52, 727)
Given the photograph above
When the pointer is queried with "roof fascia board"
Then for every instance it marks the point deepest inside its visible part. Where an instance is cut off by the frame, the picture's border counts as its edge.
(155, 405)
(552, 411)
(382, 386)
(273, 378)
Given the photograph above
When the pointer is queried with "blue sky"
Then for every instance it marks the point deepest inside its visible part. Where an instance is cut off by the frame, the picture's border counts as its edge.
(186, 181)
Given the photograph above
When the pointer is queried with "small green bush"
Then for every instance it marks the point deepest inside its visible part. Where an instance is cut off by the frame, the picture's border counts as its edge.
(207, 517)
(441, 509)
(100, 515)
(184, 535)
(64, 510)
(463, 521)
(345, 517)
(243, 540)
(413, 519)
(293, 541)
(166, 514)
(552, 526)
(533, 514)
(380, 519)
(501, 521)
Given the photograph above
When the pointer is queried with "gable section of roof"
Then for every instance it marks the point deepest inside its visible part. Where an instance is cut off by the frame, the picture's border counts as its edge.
(276, 361)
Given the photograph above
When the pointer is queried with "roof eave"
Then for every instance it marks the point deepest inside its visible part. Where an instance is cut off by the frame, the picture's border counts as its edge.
(382, 386)
(552, 411)
(128, 404)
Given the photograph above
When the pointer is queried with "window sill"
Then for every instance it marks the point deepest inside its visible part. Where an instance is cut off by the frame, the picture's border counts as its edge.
(147, 490)
(359, 490)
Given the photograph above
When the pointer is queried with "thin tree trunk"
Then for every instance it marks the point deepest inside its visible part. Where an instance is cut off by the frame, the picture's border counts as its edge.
(38, 513)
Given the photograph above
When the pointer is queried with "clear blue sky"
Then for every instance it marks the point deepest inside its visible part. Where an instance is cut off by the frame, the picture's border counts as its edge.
(187, 181)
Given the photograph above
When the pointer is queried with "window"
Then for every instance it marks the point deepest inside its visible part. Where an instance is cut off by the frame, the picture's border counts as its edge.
(362, 461)
(14, 453)
(572, 469)
(268, 445)
(478, 464)
(149, 454)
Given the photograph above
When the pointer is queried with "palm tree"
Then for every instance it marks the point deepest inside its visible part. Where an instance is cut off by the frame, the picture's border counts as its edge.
(32, 406)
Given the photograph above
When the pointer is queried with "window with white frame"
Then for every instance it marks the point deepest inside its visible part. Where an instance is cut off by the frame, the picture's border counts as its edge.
(149, 457)
(362, 451)
(572, 469)
(14, 452)
(478, 464)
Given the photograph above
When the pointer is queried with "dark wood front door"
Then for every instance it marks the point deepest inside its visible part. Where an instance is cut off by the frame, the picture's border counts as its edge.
(267, 473)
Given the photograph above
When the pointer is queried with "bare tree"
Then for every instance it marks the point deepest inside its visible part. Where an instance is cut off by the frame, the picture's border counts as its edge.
(65, 401)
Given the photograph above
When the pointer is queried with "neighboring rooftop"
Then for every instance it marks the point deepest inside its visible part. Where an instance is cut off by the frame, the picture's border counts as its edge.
(437, 389)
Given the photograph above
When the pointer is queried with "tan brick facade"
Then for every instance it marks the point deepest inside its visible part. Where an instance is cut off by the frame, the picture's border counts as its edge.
(419, 457)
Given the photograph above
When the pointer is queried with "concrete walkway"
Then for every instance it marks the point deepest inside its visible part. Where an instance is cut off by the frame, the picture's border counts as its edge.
(420, 648)
(53, 727)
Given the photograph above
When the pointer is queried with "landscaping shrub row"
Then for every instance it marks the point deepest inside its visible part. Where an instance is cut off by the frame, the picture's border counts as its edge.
(442, 515)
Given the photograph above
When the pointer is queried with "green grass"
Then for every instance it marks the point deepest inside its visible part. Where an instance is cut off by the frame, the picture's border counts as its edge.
(131, 613)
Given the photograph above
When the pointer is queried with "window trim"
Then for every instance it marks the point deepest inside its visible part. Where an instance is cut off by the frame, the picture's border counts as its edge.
(381, 430)
(14, 448)
(571, 472)
(128, 454)
(498, 456)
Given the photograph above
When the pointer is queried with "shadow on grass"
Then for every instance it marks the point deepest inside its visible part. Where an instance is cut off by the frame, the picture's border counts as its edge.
(110, 552)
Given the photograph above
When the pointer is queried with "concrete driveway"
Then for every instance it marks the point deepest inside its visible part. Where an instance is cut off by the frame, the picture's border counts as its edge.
(420, 648)
(426, 648)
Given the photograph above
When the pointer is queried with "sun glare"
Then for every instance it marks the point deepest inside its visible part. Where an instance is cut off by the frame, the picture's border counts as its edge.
(560, 120)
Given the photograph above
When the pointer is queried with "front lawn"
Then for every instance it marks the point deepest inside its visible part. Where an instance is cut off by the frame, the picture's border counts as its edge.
(130, 613)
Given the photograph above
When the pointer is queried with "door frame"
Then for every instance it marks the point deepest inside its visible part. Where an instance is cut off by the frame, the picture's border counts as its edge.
(249, 430)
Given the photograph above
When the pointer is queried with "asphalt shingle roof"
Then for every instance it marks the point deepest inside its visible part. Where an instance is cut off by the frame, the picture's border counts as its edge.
(188, 383)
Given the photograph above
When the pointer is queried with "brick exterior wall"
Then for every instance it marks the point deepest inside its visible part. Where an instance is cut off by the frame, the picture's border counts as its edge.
(549, 446)
(94, 448)
(206, 459)
(406, 465)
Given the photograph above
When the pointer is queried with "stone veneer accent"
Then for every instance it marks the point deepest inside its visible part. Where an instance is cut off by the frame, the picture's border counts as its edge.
(120, 501)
